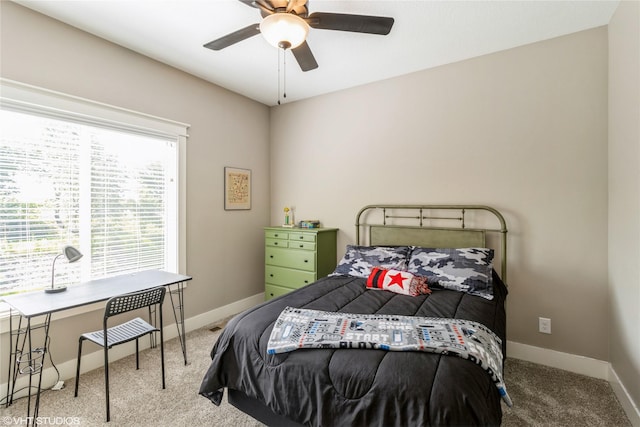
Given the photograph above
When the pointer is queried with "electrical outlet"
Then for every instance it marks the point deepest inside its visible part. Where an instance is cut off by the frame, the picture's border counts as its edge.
(544, 325)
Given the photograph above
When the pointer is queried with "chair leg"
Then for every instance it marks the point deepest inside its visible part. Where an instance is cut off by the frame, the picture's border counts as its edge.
(75, 394)
(137, 356)
(162, 354)
(106, 380)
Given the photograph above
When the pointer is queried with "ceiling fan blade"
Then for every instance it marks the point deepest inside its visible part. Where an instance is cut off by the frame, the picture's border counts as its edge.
(304, 57)
(355, 23)
(233, 38)
(250, 3)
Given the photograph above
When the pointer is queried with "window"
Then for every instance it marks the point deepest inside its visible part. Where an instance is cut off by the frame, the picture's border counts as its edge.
(111, 190)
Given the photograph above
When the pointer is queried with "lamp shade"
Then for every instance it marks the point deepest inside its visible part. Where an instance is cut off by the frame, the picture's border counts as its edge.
(284, 30)
(72, 254)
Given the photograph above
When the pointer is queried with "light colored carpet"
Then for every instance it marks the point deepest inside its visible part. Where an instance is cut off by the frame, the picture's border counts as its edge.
(542, 396)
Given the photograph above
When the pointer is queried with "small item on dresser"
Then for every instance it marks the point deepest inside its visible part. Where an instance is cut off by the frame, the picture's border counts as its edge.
(309, 223)
(288, 217)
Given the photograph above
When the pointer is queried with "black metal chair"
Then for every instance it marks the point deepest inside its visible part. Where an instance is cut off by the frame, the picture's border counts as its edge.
(125, 332)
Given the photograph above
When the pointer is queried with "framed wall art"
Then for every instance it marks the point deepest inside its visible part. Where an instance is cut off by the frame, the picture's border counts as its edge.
(237, 189)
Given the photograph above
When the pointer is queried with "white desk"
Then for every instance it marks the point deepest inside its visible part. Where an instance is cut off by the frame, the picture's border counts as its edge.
(34, 304)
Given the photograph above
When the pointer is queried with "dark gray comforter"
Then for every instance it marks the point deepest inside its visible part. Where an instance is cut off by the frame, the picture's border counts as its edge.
(357, 387)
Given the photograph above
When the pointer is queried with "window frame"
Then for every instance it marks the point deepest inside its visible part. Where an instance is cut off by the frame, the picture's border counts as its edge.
(24, 98)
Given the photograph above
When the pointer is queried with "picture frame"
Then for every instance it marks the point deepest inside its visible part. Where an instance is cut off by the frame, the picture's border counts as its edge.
(237, 189)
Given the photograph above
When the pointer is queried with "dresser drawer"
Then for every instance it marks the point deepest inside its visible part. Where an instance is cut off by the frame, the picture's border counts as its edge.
(302, 237)
(288, 277)
(272, 291)
(302, 260)
(277, 243)
(276, 234)
(307, 246)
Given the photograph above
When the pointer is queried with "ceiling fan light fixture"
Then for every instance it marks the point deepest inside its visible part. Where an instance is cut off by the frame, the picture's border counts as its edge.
(284, 30)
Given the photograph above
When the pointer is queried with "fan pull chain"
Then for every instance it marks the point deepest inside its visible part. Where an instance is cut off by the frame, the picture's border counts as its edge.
(282, 52)
(279, 76)
(284, 74)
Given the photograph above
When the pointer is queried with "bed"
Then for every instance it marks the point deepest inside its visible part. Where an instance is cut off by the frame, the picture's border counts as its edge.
(369, 387)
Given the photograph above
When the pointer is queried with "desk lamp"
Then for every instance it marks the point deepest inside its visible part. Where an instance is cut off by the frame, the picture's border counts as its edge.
(73, 255)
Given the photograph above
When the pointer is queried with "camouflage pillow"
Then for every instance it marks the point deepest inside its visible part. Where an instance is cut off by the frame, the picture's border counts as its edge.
(465, 269)
(358, 261)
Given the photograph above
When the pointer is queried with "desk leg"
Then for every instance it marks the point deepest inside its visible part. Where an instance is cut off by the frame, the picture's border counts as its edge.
(178, 315)
(13, 355)
(27, 360)
(39, 367)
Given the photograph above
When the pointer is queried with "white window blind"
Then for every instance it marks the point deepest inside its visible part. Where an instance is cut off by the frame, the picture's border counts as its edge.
(39, 191)
(131, 203)
(109, 190)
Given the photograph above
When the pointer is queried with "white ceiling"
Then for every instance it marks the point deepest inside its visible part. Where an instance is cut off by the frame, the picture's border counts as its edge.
(426, 34)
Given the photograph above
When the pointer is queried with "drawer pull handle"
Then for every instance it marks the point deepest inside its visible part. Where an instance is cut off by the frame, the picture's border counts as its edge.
(271, 256)
(306, 260)
(271, 275)
(306, 281)
(275, 244)
(276, 235)
(302, 246)
(301, 237)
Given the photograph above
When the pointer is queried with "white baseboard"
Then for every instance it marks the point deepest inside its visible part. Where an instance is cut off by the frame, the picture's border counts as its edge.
(95, 360)
(630, 408)
(556, 359)
(581, 365)
(204, 319)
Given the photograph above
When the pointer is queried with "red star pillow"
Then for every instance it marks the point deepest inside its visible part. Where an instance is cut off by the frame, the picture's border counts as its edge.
(398, 281)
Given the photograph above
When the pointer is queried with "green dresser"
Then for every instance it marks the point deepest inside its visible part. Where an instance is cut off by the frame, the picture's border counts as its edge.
(295, 257)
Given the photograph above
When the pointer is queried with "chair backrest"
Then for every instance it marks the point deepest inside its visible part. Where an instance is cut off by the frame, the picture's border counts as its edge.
(133, 301)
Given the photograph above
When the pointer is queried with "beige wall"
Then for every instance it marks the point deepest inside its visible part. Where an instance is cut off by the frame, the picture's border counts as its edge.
(224, 249)
(624, 194)
(523, 130)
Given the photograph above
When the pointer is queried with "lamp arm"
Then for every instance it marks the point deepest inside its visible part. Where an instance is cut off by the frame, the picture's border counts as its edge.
(53, 268)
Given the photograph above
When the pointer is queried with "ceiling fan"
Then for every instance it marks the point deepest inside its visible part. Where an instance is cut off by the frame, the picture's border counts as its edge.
(285, 25)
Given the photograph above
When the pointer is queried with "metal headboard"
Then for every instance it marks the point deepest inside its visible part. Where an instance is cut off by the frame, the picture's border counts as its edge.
(429, 226)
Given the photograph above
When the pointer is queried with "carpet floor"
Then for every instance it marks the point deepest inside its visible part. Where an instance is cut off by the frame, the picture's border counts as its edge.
(542, 396)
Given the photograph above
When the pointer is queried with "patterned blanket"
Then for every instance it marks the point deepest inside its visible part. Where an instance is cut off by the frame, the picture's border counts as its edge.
(298, 328)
